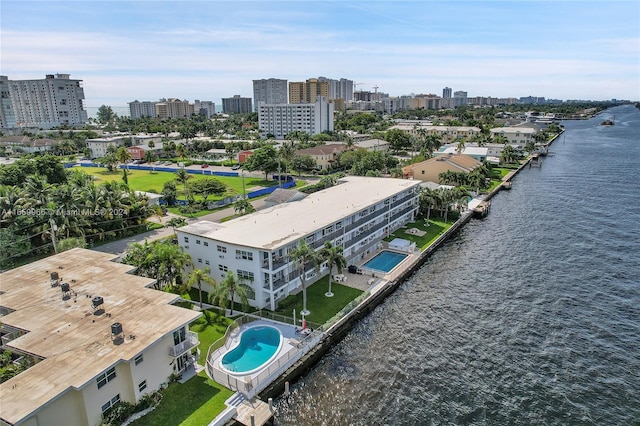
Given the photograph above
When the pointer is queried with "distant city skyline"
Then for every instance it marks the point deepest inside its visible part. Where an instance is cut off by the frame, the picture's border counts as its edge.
(148, 50)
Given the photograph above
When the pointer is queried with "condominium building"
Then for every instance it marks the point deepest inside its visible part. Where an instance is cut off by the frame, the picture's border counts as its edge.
(307, 91)
(355, 214)
(236, 105)
(53, 101)
(142, 109)
(339, 89)
(269, 91)
(445, 133)
(459, 98)
(174, 108)
(7, 115)
(204, 108)
(96, 334)
(281, 119)
(515, 135)
(99, 146)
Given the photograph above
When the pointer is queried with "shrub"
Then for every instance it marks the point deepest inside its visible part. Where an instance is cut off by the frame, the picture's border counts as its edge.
(118, 413)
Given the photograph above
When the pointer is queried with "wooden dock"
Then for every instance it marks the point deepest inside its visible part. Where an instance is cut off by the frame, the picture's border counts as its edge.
(256, 409)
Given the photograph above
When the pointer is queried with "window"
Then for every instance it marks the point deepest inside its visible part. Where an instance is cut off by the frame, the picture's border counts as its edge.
(197, 241)
(142, 385)
(206, 244)
(222, 249)
(223, 268)
(206, 262)
(186, 239)
(199, 260)
(246, 255)
(245, 275)
(113, 401)
(137, 360)
(106, 377)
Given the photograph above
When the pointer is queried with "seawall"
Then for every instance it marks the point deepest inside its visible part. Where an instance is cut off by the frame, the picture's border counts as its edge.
(340, 329)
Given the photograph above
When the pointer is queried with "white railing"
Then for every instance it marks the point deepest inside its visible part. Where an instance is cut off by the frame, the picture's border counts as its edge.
(249, 384)
(182, 347)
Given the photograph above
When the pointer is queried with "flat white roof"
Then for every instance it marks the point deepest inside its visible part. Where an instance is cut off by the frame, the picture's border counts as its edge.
(469, 150)
(282, 224)
(75, 343)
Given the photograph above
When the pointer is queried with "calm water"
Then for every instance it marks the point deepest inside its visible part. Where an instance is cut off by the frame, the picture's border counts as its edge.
(530, 316)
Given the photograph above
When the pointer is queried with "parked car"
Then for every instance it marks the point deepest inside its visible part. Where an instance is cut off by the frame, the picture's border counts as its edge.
(204, 166)
(236, 167)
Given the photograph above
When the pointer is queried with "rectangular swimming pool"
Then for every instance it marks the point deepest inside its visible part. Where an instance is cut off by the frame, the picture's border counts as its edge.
(385, 261)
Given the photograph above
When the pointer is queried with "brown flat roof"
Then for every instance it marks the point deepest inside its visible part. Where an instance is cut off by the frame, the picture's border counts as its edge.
(74, 341)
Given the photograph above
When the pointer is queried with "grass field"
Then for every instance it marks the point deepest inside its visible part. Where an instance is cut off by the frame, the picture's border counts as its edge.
(142, 180)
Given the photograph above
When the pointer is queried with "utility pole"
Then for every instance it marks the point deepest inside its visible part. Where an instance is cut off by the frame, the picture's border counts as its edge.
(54, 227)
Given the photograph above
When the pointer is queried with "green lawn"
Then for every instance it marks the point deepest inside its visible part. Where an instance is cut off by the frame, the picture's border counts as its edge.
(142, 180)
(210, 327)
(194, 403)
(322, 308)
(433, 231)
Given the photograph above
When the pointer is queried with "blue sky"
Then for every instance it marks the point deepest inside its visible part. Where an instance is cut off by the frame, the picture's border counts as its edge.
(208, 50)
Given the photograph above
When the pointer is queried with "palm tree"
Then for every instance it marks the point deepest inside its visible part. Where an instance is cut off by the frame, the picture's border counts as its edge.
(226, 291)
(176, 222)
(242, 206)
(183, 177)
(197, 277)
(334, 257)
(170, 260)
(181, 150)
(301, 256)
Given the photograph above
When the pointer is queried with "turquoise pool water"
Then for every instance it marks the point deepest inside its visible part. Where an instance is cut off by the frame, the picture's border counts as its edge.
(385, 261)
(257, 346)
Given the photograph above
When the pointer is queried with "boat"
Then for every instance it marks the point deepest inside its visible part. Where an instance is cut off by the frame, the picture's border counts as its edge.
(609, 122)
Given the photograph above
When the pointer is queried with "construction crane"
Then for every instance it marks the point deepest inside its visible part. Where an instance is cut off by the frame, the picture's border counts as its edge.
(375, 88)
(355, 85)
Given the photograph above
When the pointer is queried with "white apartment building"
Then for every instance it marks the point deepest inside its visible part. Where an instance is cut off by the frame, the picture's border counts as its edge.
(269, 91)
(173, 108)
(99, 146)
(7, 116)
(206, 108)
(356, 214)
(53, 101)
(281, 119)
(515, 135)
(98, 334)
(139, 109)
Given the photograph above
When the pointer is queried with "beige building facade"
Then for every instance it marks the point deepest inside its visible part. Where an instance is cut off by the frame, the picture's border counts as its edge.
(429, 170)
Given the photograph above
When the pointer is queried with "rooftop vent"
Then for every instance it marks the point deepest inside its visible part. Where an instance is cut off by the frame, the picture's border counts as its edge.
(97, 301)
(65, 287)
(54, 276)
(116, 329)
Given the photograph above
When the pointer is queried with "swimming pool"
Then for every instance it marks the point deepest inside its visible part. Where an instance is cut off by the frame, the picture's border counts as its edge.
(258, 346)
(385, 261)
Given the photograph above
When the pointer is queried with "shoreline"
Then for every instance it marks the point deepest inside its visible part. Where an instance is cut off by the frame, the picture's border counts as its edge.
(379, 293)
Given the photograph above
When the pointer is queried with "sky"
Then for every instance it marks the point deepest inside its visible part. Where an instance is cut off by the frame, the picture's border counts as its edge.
(208, 50)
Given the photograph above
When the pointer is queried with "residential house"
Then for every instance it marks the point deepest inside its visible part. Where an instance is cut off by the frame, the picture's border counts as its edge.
(429, 170)
(323, 155)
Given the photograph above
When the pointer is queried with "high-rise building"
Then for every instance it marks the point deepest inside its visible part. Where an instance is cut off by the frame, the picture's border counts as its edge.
(281, 119)
(269, 91)
(307, 91)
(173, 108)
(236, 105)
(446, 93)
(53, 101)
(459, 98)
(139, 109)
(339, 89)
(205, 108)
(7, 116)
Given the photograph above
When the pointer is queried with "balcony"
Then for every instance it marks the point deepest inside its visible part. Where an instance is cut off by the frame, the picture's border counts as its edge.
(190, 342)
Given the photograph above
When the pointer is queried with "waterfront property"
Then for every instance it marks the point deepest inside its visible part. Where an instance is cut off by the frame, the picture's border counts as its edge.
(429, 170)
(95, 333)
(385, 261)
(355, 214)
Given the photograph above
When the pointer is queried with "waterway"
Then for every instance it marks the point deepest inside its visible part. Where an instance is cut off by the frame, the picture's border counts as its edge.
(529, 316)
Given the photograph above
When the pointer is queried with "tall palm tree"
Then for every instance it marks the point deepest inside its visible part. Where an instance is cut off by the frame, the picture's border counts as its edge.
(334, 257)
(176, 222)
(199, 276)
(170, 260)
(302, 256)
(243, 206)
(183, 177)
(227, 289)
